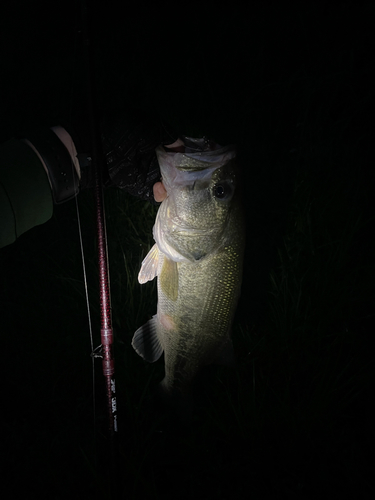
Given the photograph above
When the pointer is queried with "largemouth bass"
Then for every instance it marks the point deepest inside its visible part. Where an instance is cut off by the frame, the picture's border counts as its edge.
(200, 237)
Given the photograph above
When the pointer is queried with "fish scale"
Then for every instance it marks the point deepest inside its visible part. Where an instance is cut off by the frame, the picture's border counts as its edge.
(204, 309)
(200, 238)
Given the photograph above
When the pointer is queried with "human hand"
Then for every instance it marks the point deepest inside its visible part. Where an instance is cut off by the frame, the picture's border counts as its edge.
(160, 192)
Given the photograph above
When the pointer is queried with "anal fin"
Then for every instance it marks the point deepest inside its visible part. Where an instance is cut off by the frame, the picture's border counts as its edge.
(146, 343)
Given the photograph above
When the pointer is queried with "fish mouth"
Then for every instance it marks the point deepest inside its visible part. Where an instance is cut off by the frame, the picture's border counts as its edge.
(198, 254)
(194, 237)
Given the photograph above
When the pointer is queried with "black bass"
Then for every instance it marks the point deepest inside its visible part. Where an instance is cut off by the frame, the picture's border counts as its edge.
(200, 237)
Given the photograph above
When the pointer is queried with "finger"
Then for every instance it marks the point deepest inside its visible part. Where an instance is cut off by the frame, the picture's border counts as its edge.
(176, 144)
(159, 192)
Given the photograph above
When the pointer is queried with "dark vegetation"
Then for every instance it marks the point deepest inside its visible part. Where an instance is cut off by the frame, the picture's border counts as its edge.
(294, 89)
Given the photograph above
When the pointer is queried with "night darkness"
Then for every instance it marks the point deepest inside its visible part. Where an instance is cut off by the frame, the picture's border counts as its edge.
(293, 87)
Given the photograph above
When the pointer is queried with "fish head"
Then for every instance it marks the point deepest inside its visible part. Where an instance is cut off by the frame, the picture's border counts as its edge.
(201, 193)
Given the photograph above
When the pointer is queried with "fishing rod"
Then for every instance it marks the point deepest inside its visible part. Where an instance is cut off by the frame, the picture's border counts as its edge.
(105, 351)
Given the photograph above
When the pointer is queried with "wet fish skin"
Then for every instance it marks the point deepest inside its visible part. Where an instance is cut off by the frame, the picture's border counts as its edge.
(198, 254)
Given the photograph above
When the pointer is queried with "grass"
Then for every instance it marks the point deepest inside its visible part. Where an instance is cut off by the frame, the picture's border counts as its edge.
(303, 370)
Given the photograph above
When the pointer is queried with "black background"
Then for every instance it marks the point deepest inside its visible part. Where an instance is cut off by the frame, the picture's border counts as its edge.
(277, 79)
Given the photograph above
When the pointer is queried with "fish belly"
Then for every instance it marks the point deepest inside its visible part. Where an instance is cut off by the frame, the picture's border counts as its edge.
(194, 327)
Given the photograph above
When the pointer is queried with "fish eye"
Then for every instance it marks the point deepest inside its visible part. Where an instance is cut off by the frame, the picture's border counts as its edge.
(223, 190)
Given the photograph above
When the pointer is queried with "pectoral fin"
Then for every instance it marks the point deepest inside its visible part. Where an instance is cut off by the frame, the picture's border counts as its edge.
(168, 279)
(146, 343)
(149, 266)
